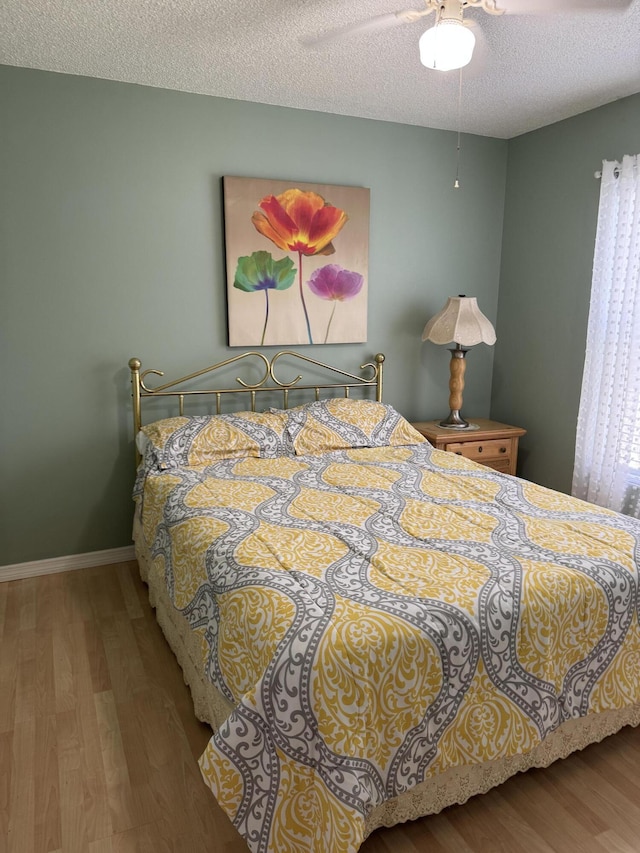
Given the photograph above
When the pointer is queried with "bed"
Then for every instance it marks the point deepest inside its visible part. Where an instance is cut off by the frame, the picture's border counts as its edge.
(373, 628)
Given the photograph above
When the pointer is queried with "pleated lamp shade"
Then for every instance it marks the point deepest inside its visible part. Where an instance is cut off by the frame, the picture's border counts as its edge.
(460, 322)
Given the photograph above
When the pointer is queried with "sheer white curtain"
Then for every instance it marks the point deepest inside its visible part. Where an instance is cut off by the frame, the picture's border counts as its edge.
(607, 460)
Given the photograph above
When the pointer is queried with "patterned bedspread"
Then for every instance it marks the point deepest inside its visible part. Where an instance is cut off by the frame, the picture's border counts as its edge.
(380, 615)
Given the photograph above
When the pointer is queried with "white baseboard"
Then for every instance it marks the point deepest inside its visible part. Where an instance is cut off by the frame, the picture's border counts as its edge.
(66, 564)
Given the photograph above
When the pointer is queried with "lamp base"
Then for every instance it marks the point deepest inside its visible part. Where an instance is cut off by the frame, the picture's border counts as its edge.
(456, 421)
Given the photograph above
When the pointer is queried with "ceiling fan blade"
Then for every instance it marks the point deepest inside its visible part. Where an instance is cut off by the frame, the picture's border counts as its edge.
(547, 7)
(379, 22)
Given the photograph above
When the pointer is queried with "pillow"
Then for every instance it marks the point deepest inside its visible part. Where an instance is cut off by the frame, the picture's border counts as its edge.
(204, 439)
(342, 423)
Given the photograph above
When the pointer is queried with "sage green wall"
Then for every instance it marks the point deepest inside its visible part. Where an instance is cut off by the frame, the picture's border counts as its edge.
(547, 256)
(112, 246)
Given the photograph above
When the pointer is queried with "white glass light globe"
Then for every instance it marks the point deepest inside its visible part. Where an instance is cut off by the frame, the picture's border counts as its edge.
(446, 46)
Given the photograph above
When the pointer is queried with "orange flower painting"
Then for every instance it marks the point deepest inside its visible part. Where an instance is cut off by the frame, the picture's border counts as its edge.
(298, 221)
(292, 228)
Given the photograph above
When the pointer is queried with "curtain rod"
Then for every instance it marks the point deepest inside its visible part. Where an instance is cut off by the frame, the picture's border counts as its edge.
(616, 173)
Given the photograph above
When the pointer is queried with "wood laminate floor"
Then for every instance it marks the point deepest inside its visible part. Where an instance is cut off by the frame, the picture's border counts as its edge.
(98, 747)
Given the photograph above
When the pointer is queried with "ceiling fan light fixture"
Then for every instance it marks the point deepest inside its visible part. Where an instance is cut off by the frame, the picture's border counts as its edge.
(446, 46)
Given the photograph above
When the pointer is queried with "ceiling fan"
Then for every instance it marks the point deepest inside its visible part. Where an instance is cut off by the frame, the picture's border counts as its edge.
(449, 44)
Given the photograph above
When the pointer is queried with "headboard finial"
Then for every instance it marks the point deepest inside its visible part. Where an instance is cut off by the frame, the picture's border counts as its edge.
(379, 361)
(134, 367)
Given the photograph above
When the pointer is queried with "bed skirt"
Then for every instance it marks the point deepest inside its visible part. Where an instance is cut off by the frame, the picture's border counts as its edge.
(453, 787)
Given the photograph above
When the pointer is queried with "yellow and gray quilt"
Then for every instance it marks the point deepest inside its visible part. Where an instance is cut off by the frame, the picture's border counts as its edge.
(382, 614)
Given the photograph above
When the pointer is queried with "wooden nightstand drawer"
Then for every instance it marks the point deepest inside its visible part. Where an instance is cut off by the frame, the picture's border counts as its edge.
(506, 464)
(481, 451)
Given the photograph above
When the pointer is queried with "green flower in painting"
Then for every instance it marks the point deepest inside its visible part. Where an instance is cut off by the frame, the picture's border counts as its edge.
(259, 271)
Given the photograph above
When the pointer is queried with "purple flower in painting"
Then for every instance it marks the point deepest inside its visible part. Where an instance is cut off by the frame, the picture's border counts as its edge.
(336, 284)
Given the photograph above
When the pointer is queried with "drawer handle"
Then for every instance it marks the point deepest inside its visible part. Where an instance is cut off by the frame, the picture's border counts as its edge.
(503, 450)
(480, 449)
(458, 453)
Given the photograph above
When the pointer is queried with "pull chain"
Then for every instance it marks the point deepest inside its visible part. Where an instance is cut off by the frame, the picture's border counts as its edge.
(456, 183)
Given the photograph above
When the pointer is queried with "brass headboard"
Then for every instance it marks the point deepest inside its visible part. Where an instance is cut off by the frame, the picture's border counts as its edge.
(268, 383)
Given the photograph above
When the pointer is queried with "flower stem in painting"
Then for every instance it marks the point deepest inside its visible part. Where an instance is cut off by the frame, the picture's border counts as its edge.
(304, 304)
(333, 311)
(266, 318)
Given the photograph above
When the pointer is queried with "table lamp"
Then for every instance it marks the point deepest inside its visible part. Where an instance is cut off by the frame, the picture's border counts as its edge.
(463, 323)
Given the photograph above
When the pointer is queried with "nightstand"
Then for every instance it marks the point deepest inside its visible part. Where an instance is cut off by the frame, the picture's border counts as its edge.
(493, 444)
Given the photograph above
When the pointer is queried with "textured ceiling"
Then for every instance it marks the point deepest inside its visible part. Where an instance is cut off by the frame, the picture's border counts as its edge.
(529, 71)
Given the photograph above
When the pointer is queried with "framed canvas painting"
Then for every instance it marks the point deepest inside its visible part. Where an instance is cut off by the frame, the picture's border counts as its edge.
(297, 262)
